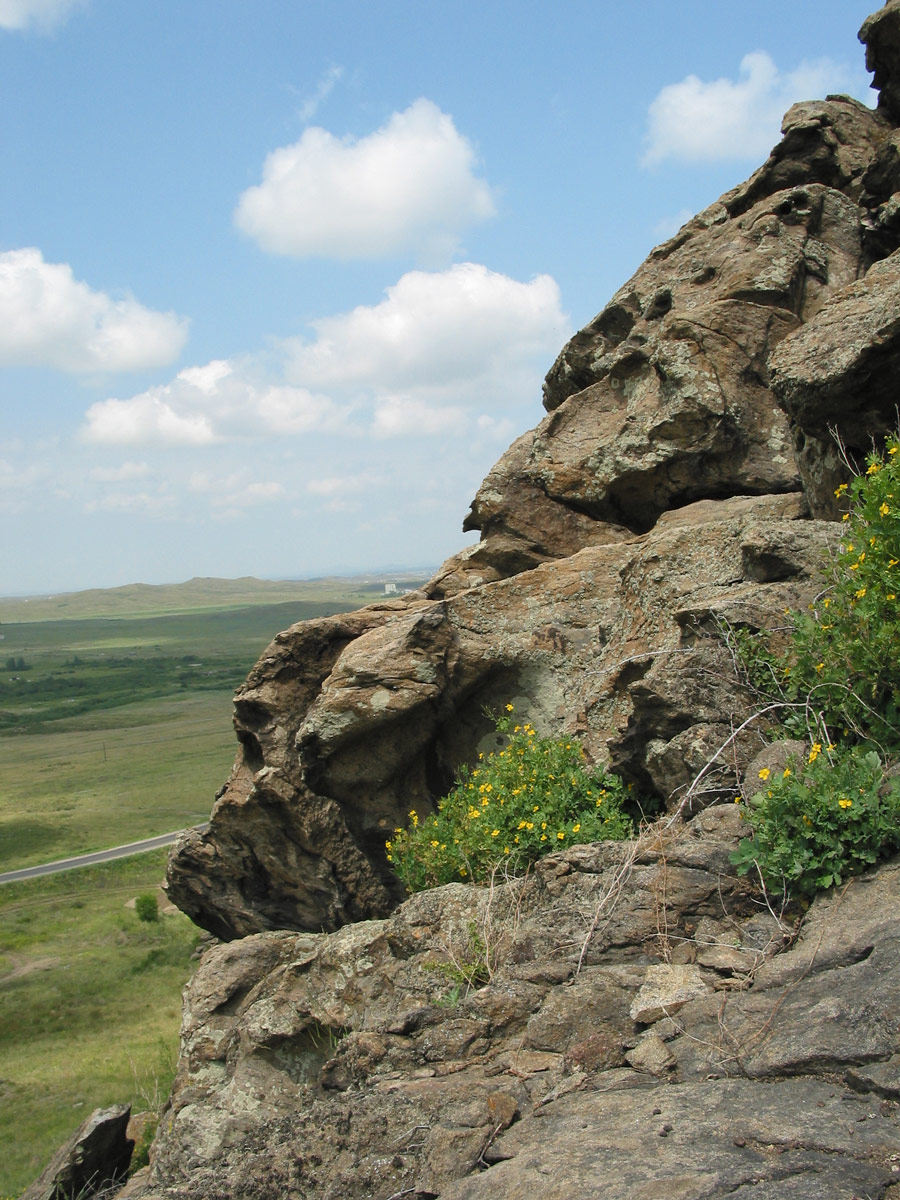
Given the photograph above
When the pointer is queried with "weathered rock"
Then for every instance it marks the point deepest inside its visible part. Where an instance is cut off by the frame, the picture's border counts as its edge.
(616, 645)
(826, 1007)
(666, 989)
(345, 1065)
(96, 1156)
(840, 372)
(790, 1140)
(880, 33)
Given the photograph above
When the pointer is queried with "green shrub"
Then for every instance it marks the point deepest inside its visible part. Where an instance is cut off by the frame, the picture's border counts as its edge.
(147, 907)
(839, 683)
(845, 660)
(533, 796)
(817, 822)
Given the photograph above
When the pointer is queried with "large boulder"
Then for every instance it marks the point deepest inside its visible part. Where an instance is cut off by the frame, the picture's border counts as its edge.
(618, 645)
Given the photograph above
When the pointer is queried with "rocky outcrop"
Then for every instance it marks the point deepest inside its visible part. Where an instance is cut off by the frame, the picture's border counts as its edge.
(641, 1026)
(616, 644)
(631, 1019)
(692, 427)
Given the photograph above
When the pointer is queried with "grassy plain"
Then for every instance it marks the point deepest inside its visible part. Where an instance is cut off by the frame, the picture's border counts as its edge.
(89, 1005)
(115, 724)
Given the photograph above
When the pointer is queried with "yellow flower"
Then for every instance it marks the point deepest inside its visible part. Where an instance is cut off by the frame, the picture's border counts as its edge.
(434, 843)
(543, 837)
(509, 708)
(845, 803)
(787, 771)
(890, 596)
(495, 832)
(860, 593)
(821, 666)
(765, 773)
(872, 469)
(576, 828)
(815, 751)
(845, 517)
(560, 836)
(839, 491)
(893, 450)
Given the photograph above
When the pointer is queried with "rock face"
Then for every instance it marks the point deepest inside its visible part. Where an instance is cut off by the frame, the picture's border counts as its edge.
(645, 1028)
(616, 644)
(693, 427)
(644, 1023)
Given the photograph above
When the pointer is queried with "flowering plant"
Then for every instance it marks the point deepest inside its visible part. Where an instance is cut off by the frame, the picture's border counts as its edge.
(839, 683)
(534, 795)
(817, 822)
(846, 648)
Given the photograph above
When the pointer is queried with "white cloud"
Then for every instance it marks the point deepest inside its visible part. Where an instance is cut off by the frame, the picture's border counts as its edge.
(231, 494)
(434, 330)
(408, 186)
(411, 416)
(155, 504)
(695, 121)
(128, 470)
(43, 15)
(220, 401)
(49, 318)
(324, 88)
(426, 361)
(339, 485)
(147, 419)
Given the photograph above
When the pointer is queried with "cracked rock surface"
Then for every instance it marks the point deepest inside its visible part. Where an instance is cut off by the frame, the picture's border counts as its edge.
(649, 1028)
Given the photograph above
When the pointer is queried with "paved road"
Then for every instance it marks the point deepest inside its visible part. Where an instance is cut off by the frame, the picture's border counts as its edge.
(99, 856)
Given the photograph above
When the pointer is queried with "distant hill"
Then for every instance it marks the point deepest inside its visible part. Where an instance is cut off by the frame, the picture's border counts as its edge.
(198, 594)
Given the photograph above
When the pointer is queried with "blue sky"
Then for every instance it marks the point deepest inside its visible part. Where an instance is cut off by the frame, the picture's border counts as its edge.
(279, 280)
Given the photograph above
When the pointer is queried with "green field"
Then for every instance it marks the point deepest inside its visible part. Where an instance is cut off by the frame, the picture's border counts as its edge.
(118, 729)
(89, 1005)
(115, 724)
